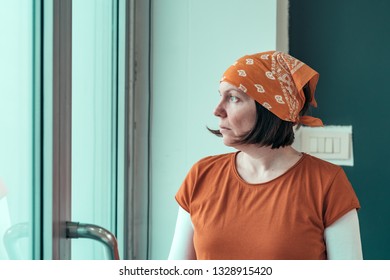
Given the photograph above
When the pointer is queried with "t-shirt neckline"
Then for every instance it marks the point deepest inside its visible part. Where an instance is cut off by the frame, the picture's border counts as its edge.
(237, 175)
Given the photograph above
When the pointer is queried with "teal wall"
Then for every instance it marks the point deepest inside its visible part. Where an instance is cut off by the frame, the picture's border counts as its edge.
(348, 43)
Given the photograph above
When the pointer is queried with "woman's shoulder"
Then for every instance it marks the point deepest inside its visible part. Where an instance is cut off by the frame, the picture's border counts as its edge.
(313, 162)
(213, 160)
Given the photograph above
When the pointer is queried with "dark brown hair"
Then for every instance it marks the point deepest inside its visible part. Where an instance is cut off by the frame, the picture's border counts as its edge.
(270, 130)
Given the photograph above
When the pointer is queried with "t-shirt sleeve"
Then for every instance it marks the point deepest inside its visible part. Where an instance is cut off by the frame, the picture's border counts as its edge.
(184, 194)
(339, 199)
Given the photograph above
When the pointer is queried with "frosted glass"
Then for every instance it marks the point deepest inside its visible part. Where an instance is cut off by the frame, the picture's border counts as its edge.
(93, 122)
(16, 123)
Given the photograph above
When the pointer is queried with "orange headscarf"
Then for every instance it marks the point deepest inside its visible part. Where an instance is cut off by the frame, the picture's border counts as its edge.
(275, 80)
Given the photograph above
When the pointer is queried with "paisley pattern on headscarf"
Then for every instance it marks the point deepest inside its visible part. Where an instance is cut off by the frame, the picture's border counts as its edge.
(275, 80)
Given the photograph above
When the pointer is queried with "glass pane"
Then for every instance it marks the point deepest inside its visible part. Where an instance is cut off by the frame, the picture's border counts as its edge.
(16, 123)
(93, 121)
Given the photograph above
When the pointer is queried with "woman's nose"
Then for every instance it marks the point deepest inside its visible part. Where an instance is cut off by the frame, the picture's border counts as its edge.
(220, 111)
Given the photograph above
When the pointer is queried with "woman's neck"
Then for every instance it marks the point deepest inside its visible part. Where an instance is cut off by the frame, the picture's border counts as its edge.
(263, 164)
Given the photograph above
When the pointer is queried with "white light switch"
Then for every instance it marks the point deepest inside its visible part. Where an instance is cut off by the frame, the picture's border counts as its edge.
(313, 145)
(321, 144)
(336, 145)
(328, 145)
(332, 143)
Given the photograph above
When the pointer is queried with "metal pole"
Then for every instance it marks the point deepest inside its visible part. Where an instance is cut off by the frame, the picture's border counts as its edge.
(62, 125)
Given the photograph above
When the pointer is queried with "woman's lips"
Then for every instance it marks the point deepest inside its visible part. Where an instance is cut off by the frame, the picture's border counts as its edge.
(223, 128)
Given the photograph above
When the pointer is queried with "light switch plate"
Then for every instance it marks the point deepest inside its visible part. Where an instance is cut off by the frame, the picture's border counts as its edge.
(331, 143)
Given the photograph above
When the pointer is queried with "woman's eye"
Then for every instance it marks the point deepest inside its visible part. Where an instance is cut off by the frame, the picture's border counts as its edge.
(233, 98)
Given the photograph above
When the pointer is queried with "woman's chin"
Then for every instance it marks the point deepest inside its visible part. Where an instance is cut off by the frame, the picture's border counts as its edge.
(227, 141)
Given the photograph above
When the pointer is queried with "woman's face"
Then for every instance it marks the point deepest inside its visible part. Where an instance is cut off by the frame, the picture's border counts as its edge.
(236, 111)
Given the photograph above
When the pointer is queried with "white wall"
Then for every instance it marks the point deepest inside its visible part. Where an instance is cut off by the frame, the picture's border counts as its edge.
(193, 42)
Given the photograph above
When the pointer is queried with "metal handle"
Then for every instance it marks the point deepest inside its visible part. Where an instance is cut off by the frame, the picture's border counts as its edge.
(77, 230)
(11, 236)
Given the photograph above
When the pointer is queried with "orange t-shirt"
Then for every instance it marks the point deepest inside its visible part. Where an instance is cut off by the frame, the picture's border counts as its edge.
(283, 219)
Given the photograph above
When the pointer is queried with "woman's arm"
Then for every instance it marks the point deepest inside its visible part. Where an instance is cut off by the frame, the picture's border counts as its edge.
(182, 247)
(343, 238)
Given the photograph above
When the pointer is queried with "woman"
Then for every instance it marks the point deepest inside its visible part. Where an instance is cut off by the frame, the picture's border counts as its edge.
(267, 200)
